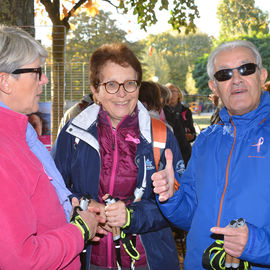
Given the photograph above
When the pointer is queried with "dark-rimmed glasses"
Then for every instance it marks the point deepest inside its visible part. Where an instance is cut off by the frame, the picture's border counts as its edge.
(28, 70)
(113, 87)
(244, 70)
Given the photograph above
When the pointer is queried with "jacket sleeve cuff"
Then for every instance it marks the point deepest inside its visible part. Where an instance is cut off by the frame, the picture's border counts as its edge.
(257, 248)
(169, 207)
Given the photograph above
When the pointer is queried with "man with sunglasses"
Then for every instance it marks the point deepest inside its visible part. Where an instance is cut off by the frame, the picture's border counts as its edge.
(227, 176)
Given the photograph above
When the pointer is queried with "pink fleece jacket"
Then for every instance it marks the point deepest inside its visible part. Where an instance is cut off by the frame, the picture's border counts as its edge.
(34, 233)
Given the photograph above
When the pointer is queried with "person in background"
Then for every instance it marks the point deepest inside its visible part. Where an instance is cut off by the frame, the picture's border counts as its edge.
(149, 95)
(165, 97)
(266, 86)
(40, 124)
(180, 118)
(107, 150)
(36, 122)
(227, 176)
(35, 233)
(218, 106)
(75, 110)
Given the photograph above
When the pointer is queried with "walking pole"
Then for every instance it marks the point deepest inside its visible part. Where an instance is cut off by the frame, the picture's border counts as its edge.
(116, 235)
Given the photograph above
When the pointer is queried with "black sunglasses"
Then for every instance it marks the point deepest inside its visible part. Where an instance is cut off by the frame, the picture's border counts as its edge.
(244, 70)
(28, 70)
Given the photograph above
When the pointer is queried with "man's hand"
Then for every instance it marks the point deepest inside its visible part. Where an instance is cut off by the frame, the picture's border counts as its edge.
(235, 239)
(92, 219)
(163, 181)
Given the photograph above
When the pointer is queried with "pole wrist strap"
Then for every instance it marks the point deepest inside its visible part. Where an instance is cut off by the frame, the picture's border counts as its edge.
(129, 217)
(77, 220)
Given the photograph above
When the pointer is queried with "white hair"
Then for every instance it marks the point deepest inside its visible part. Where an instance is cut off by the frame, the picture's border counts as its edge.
(229, 46)
(18, 48)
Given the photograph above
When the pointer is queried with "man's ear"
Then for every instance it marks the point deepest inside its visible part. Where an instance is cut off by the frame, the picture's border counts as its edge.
(263, 76)
(213, 87)
(4, 83)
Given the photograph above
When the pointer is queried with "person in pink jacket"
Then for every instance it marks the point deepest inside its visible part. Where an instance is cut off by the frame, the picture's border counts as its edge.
(34, 230)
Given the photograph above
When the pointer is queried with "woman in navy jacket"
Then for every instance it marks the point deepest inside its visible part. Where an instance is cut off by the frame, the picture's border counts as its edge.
(107, 149)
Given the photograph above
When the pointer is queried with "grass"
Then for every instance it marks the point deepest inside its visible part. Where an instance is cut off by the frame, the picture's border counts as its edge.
(202, 120)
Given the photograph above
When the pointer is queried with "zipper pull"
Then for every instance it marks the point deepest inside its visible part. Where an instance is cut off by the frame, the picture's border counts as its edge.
(114, 138)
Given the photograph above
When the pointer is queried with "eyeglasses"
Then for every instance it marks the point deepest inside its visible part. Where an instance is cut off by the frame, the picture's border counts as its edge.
(28, 70)
(113, 87)
(244, 70)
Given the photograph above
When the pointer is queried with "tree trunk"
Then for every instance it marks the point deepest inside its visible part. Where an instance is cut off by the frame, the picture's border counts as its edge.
(58, 77)
(20, 13)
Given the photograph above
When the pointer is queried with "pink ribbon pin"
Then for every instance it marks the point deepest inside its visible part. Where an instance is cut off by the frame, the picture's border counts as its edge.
(129, 138)
(260, 142)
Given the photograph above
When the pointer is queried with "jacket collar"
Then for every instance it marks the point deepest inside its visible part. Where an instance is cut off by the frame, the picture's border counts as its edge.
(249, 119)
(13, 123)
(88, 118)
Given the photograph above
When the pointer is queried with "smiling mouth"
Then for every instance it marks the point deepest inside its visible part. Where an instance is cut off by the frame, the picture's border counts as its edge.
(121, 103)
(238, 91)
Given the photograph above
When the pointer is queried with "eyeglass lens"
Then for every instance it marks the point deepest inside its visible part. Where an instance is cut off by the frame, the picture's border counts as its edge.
(29, 70)
(113, 87)
(244, 70)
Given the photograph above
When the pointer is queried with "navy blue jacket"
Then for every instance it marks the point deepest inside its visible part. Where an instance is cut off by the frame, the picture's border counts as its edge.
(80, 169)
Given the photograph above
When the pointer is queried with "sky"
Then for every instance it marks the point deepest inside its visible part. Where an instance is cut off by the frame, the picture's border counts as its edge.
(207, 23)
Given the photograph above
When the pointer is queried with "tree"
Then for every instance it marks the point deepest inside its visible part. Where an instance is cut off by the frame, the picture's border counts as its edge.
(20, 13)
(183, 14)
(89, 33)
(155, 65)
(263, 43)
(200, 76)
(190, 85)
(241, 17)
(180, 52)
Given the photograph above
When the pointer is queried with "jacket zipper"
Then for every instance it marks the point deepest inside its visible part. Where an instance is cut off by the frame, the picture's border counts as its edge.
(111, 187)
(227, 176)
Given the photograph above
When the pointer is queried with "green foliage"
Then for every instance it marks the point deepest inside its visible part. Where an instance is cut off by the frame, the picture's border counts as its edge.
(263, 44)
(183, 12)
(92, 32)
(241, 17)
(190, 83)
(178, 51)
(200, 75)
(156, 65)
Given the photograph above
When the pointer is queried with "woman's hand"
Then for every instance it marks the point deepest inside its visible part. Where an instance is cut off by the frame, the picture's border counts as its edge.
(116, 213)
(102, 214)
(92, 219)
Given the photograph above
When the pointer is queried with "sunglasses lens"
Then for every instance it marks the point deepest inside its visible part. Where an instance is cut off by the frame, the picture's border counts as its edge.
(247, 69)
(223, 75)
(244, 70)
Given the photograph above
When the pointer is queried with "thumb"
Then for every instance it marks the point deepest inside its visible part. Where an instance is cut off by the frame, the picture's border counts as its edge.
(169, 159)
(75, 202)
(169, 168)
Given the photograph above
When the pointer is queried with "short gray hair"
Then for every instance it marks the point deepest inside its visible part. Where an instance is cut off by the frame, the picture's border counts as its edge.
(18, 48)
(229, 46)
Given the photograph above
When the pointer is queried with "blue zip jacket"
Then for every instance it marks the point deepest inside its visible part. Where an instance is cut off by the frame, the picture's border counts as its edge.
(227, 178)
(80, 169)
